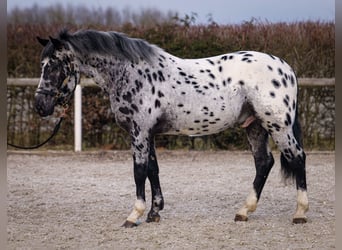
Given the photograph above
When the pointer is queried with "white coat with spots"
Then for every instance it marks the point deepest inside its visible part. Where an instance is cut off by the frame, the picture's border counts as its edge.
(153, 92)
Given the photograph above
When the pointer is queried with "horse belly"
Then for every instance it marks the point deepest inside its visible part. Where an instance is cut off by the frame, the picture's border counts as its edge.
(205, 117)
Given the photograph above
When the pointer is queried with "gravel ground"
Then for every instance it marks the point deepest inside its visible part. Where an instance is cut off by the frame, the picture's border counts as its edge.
(63, 200)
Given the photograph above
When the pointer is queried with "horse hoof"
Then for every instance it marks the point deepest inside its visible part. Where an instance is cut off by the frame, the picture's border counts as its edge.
(239, 217)
(129, 224)
(153, 218)
(300, 220)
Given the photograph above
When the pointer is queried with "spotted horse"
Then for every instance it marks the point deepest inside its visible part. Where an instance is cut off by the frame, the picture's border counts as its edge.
(153, 92)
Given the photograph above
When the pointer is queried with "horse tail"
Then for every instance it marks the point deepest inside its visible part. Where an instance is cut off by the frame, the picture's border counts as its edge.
(291, 167)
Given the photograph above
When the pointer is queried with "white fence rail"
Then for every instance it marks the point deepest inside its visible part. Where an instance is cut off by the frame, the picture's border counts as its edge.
(315, 82)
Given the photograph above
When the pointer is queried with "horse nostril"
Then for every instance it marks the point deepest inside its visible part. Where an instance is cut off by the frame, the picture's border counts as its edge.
(44, 106)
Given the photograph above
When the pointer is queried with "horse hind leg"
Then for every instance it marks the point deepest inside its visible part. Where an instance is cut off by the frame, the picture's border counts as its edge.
(294, 167)
(258, 140)
(292, 159)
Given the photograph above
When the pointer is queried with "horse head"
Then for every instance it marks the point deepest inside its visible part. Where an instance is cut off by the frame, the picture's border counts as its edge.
(59, 77)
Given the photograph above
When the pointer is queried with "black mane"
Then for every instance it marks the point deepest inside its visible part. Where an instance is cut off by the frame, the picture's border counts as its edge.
(112, 43)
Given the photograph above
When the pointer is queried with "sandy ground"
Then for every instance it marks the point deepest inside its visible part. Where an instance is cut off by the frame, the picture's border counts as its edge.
(61, 200)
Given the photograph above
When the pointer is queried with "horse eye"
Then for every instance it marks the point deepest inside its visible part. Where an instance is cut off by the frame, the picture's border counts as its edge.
(65, 81)
(54, 67)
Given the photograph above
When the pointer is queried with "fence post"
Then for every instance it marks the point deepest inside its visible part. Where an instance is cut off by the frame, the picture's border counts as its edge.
(78, 118)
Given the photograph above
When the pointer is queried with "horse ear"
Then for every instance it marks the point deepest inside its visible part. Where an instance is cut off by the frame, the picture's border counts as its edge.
(42, 41)
(56, 43)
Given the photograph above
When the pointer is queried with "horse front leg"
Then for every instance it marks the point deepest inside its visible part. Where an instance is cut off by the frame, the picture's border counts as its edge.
(157, 196)
(140, 158)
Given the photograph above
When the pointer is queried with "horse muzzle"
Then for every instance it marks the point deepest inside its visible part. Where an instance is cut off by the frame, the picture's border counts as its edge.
(44, 104)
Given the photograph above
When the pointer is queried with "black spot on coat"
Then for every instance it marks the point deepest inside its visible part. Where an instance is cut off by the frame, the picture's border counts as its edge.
(211, 62)
(284, 82)
(288, 119)
(157, 103)
(161, 76)
(124, 110)
(280, 71)
(212, 75)
(133, 106)
(155, 77)
(276, 83)
(127, 97)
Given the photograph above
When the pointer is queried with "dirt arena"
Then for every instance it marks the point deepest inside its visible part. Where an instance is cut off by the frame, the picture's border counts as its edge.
(63, 200)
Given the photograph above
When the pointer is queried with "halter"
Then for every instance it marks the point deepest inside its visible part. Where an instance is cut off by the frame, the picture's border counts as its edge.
(46, 92)
(67, 99)
(58, 94)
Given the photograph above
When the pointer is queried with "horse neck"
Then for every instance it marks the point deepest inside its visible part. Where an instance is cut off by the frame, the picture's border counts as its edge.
(104, 70)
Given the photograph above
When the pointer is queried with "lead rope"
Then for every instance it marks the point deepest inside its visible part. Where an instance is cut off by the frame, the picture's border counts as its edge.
(58, 124)
(54, 132)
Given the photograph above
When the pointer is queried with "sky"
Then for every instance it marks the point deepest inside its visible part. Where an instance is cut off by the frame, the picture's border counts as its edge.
(222, 11)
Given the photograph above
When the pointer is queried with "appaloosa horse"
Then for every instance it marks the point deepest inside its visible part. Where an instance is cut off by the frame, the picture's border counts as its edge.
(153, 92)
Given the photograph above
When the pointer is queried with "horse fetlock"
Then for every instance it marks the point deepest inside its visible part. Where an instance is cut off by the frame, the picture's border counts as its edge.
(249, 206)
(251, 201)
(158, 203)
(153, 217)
(242, 214)
(138, 211)
(302, 200)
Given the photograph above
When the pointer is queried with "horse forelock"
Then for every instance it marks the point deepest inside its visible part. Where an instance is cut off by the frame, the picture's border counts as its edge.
(47, 52)
(88, 42)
